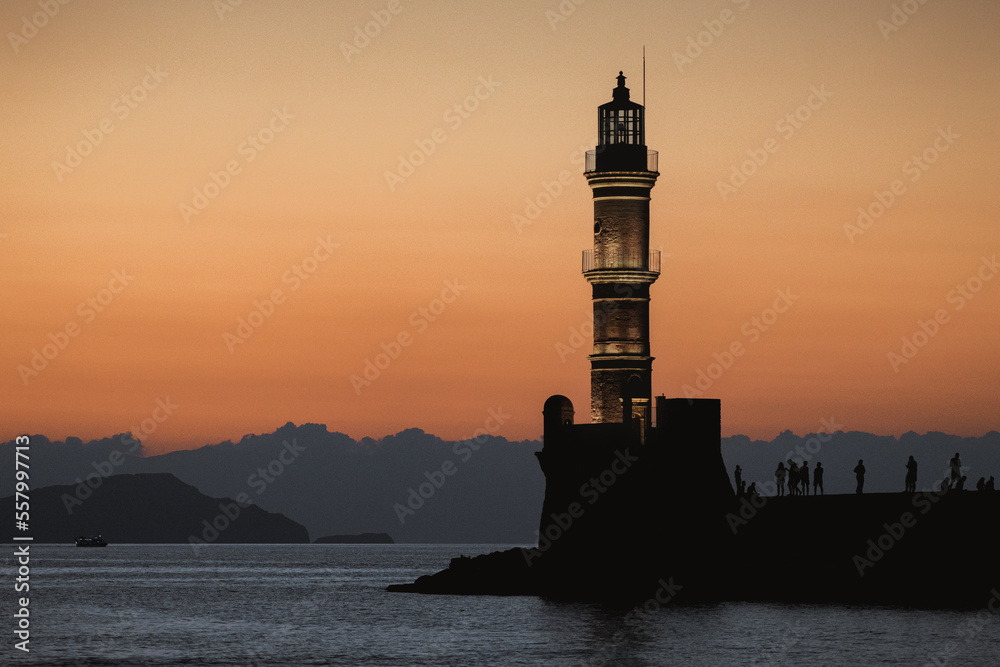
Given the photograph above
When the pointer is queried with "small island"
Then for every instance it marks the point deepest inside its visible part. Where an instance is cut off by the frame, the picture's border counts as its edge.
(361, 538)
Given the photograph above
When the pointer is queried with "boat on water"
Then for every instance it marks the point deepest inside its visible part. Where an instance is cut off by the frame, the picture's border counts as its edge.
(91, 541)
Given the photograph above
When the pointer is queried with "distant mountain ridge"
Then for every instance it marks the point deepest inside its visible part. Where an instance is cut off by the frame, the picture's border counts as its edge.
(884, 457)
(419, 488)
(152, 508)
(335, 485)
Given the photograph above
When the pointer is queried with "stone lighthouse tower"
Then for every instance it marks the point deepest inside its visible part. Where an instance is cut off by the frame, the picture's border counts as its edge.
(621, 267)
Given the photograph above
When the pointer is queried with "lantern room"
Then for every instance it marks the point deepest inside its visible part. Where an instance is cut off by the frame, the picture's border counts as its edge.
(621, 134)
(620, 120)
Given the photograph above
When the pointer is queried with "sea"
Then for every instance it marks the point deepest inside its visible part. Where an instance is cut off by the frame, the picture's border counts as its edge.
(256, 605)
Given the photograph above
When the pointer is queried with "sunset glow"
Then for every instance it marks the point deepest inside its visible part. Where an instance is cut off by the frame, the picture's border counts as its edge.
(218, 217)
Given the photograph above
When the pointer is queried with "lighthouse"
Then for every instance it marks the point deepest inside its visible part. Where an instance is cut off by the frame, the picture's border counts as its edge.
(621, 172)
(621, 507)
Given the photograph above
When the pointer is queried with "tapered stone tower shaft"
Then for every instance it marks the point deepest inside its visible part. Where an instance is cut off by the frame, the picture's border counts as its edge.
(621, 267)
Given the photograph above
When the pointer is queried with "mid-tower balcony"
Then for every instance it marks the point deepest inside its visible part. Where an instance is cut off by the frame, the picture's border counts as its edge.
(621, 260)
(621, 157)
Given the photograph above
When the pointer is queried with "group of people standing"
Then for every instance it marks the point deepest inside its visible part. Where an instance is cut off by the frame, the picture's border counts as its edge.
(797, 478)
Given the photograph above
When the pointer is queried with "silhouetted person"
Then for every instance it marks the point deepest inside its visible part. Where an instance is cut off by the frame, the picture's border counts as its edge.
(743, 488)
(752, 491)
(991, 485)
(859, 473)
(956, 469)
(981, 484)
(779, 477)
(945, 486)
(911, 475)
(804, 477)
(818, 478)
(961, 483)
(738, 474)
(793, 478)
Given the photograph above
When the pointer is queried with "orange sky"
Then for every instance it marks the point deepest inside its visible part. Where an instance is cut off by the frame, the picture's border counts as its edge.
(160, 96)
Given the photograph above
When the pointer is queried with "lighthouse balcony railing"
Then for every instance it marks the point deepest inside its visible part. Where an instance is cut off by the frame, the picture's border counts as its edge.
(610, 161)
(614, 260)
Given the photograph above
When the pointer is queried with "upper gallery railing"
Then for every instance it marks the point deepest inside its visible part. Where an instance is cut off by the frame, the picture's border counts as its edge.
(620, 158)
(621, 259)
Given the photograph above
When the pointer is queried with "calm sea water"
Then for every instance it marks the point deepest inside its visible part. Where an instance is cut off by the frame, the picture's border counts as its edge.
(326, 605)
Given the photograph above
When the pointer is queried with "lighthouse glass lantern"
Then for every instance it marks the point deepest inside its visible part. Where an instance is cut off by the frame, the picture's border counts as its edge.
(621, 144)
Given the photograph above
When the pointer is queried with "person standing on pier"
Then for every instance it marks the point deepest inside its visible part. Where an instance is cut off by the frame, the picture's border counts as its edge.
(793, 478)
(911, 475)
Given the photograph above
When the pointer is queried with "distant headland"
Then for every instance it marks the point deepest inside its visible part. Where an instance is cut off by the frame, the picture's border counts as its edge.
(362, 538)
(154, 508)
